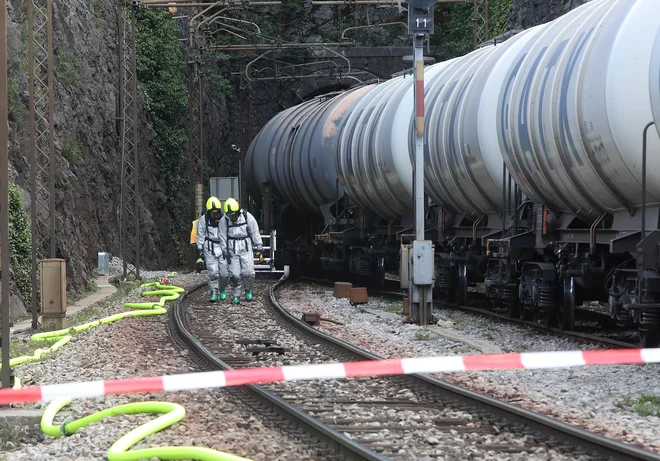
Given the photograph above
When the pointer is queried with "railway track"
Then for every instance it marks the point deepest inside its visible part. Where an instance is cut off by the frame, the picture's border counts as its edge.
(577, 335)
(331, 445)
(403, 417)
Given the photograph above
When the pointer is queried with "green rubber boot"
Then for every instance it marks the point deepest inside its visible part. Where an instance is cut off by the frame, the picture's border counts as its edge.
(223, 295)
(248, 296)
(213, 297)
(236, 300)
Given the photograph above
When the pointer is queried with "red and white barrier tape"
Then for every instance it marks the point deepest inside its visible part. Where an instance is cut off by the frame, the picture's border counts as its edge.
(215, 379)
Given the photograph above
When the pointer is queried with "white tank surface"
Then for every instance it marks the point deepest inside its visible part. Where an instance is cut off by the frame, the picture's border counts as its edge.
(654, 81)
(461, 174)
(562, 105)
(492, 138)
(401, 125)
(296, 151)
(366, 162)
(571, 124)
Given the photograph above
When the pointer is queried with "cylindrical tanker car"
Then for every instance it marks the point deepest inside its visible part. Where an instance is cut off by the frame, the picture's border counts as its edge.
(533, 170)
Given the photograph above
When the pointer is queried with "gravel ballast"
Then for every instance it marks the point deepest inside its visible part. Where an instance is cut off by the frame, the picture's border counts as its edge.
(141, 347)
(386, 414)
(597, 398)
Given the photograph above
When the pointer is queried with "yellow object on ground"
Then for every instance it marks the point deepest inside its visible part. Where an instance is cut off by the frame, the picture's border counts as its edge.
(170, 413)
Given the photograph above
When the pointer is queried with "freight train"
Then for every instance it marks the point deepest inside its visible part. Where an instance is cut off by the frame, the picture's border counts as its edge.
(533, 171)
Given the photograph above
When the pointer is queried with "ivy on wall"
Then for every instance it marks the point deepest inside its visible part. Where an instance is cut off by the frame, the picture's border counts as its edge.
(499, 16)
(454, 25)
(161, 72)
(20, 243)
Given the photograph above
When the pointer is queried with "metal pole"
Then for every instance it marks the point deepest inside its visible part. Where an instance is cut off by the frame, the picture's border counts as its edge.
(418, 166)
(33, 167)
(4, 198)
(136, 139)
(420, 23)
(644, 148)
(42, 138)
(480, 29)
(122, 121)
(51, 133)
(423, 295)
(130, 210)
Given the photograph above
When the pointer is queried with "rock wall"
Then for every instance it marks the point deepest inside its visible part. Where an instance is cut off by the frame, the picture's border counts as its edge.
(88, 178)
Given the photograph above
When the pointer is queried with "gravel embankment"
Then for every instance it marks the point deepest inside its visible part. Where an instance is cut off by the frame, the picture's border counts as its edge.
(140, 347)
(596, 398)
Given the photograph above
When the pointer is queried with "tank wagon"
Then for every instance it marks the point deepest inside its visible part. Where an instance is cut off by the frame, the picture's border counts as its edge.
(533, 169)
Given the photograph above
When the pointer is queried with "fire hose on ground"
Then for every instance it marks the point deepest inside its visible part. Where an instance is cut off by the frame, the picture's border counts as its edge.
(170, 413)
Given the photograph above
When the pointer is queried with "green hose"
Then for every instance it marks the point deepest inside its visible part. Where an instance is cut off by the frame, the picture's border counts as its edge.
(167, 293)
(170, 412)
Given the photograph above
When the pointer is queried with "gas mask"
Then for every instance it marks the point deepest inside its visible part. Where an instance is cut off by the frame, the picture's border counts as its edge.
(233, 216)
(215, 216)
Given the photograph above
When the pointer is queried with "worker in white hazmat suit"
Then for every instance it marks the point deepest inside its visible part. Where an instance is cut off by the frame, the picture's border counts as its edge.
(209, 244)
(240, 237)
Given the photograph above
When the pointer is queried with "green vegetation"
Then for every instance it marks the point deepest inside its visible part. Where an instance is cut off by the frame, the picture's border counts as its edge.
(395, 308)
(215, 82)
(499, 16)
(20, 347)
(422, 336)
(97, 6)
(16, 110)
(293, 22)
(67, 68)
(72, 150)
(646, 405)
(453, 25)
(161, 72)
(20, 243)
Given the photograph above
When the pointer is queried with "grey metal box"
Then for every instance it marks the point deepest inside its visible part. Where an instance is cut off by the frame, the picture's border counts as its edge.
(103, 263)
(225, 187)
(422, 264)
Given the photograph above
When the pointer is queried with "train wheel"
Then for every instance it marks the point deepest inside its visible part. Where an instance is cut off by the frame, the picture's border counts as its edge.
(649, 336)
(566, 311)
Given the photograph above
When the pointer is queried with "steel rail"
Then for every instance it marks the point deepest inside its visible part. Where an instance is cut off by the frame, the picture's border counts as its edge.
(551, 427)
(346, 447)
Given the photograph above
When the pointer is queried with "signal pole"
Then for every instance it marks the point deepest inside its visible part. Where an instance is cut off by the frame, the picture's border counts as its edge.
(421, 264)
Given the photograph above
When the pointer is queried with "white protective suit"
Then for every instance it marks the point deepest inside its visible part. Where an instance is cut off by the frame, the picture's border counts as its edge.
(239, 239)
(209, 241)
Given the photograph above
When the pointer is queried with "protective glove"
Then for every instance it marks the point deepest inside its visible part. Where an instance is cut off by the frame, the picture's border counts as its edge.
(259, 255)
(227, 256)
(200, 265)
